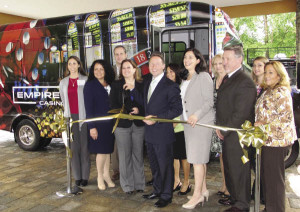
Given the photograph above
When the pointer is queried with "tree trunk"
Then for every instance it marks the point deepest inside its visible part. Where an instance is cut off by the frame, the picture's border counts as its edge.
(266, 34)
(298, 43)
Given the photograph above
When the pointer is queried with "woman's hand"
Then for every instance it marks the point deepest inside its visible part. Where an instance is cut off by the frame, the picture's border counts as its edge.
(128, 86)
(134, 110)
(94, 133)
(192, 120)
(219, 134)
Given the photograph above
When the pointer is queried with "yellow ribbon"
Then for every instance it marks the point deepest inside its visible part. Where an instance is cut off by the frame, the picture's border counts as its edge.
(252, 136)
(248, 135)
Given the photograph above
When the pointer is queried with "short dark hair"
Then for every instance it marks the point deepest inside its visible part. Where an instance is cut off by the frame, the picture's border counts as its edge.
(120, 46)
(238, 50)
(176, 69)
(158, 54)
(109, 72)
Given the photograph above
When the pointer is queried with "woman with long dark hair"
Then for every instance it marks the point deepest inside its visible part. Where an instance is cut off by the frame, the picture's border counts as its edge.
(71, 93)
(173, 73)
(197, 100)
(101, 140)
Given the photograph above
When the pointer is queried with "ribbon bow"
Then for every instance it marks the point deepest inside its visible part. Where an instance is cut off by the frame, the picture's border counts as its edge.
(252, 136)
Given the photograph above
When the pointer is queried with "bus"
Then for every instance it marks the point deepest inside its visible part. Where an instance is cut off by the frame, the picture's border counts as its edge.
(34, 54)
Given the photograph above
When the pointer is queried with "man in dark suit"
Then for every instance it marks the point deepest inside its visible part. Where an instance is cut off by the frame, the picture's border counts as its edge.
(161, 98)
(235, 104)
(119, 55)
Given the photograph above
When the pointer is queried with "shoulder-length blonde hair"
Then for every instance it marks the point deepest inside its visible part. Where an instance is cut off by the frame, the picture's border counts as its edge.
(282, 73)
(262, 59)
(217, 56)
(137, 74)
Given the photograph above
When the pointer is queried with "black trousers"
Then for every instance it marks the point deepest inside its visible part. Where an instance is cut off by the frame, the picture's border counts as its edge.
(273, 176)
(237, 174)
(161, 163)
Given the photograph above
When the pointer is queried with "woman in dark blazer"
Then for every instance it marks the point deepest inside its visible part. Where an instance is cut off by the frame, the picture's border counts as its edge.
(101, 140)
(129, 133)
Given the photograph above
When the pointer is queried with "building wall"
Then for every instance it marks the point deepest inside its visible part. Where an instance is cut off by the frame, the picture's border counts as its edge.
(7, 19)
(283, 6)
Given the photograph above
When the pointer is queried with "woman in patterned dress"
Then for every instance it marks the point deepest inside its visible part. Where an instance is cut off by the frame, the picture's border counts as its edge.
(275, 108)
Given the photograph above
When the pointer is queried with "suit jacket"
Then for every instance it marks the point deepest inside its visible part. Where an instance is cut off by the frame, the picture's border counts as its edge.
(117, 94)
(165, 102)
(63, 90)
(96, 102)
(116, 74)
(198, 98)
(235, 101)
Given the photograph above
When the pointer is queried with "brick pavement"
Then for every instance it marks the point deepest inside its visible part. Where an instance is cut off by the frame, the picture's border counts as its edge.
(29, 182)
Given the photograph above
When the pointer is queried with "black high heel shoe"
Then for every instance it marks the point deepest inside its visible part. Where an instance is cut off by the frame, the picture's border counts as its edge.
(178, 187)
(78, 182)
(220, 193)
(84, 182)
(180, 193)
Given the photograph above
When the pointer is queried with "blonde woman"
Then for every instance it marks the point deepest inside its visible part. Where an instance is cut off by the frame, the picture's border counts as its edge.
(216, 142)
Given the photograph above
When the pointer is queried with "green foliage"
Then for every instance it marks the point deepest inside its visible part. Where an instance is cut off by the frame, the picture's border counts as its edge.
(270, 31)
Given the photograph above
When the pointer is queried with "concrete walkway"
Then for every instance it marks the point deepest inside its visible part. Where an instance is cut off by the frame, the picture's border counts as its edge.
(29, 182)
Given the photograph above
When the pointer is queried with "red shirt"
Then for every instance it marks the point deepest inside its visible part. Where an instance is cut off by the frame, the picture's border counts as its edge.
(73, 95)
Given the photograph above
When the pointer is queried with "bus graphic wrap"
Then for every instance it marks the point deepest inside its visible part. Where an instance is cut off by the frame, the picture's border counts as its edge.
(33, 54)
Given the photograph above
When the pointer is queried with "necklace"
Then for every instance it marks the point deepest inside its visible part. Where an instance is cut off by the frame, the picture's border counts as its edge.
(73, 82)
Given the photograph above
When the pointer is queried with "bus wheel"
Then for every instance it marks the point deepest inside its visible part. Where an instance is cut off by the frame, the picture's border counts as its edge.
(292, 155)
(27, 135)
(44, 142)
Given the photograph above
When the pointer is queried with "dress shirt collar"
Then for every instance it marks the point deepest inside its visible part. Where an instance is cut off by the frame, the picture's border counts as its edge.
(158, 78)
(230, 74)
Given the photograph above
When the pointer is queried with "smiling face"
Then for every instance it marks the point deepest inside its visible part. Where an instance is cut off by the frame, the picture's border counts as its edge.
(218, 66)
(99, 71)
(128, 70)
(73, 66)
(190, 61)
(171, 74)
(120, 55)
(230, 61)
(156, 66)
(258, 68)
(271, 76)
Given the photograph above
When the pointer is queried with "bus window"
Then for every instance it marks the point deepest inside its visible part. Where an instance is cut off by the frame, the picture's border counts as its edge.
(176, 49)
(122, 27)
(175, 41)
(93, 45)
